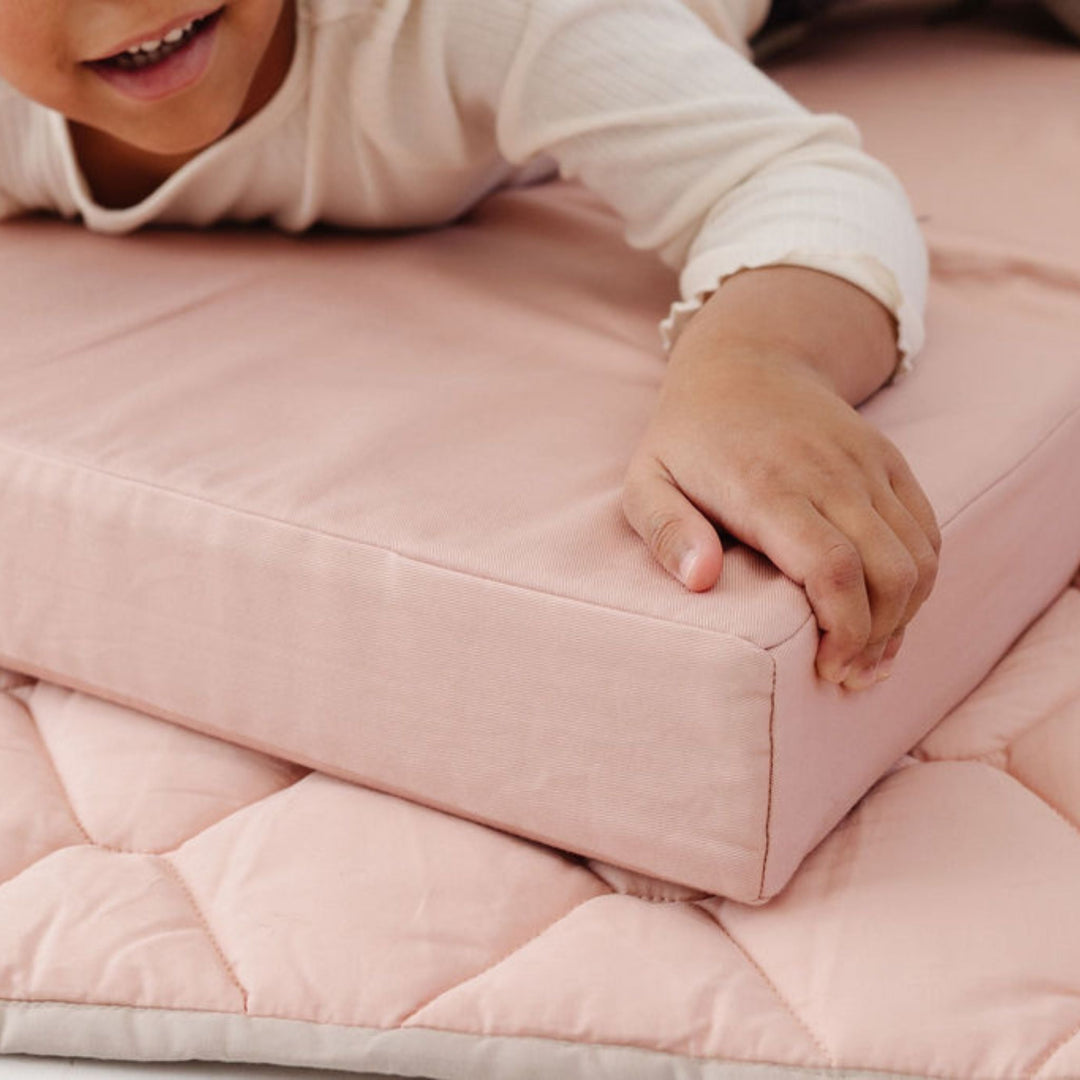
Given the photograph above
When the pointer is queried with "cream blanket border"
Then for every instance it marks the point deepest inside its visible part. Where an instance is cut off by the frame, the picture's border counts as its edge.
(125, 1033)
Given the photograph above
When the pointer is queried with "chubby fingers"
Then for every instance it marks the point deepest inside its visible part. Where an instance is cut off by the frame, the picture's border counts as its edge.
(679, 536)
(899, 567)
(903, 506)
(867, 561)
(866, 572)
(814, 552)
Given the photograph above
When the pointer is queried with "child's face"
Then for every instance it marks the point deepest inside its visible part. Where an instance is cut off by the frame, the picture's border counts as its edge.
(44, 46)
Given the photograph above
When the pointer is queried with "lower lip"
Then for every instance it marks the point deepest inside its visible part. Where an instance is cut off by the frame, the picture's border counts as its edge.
(176, 72)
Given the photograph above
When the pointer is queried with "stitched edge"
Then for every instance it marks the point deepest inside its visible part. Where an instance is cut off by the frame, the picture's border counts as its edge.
(772, 769)
(111, 847)
(498, 960)
(1041, 1062)
(56, 773)
(323, 768)
(749, 957)
(138, 705)
(179, 879)
(353, 542)
(93, 843)
(796, 1072)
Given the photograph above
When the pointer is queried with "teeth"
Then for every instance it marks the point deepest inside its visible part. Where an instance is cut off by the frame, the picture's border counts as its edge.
(152, 46)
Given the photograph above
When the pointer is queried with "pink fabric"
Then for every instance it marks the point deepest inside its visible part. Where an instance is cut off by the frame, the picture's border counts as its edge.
(166, 895)
(192, 899)
(264, 498)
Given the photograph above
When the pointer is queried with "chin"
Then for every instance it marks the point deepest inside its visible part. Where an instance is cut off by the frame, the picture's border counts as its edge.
(170, 139)
(173, 146)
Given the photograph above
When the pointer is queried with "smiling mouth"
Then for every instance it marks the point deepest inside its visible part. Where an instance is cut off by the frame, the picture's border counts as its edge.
(136, 59)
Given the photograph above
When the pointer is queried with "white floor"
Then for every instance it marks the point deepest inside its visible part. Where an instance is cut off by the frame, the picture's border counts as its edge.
(20, 1067)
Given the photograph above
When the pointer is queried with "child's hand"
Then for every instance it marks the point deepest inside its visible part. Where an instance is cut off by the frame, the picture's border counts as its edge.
(757, 440)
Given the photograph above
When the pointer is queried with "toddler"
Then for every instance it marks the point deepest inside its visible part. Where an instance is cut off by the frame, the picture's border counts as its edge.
(803, 273)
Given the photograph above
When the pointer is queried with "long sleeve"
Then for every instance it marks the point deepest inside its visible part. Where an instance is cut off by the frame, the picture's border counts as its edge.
(710, 163)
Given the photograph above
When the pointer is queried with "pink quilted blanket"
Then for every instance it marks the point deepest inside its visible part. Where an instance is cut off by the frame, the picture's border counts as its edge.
(169, 896)
(166, 894)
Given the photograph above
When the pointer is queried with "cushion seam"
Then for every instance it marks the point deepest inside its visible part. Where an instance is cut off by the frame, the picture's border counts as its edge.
(772, 768)
(74, 464)
(725, 634)
(368, 544)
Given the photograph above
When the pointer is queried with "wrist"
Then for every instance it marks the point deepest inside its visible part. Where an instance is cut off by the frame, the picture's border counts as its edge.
(812, 318)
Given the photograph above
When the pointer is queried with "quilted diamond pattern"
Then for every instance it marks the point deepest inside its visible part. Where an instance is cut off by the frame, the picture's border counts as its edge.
(148, 869)
(85, 924)
(671, 981)
(952, 894)
(423, 900)
(174, 783)
(932, 934)
(29, 779)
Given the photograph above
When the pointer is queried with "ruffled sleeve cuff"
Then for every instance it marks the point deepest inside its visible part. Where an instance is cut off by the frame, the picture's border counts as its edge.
(704, 274)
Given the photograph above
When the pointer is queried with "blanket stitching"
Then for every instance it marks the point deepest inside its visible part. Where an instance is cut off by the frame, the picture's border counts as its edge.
(1037, 795)
(495, 963)
(1003, 770)
(984, 758)
(979, 759)
(179, 878)
(1041, 1062)
(258, 746)
(56, 772)
(830, 1060)
(112, 847)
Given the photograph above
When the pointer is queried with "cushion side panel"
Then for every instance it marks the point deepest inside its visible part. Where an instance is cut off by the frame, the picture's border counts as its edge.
(1005, 574)
(401, 675)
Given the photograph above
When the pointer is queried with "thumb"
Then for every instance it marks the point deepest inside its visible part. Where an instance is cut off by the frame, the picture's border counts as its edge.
(679, 536)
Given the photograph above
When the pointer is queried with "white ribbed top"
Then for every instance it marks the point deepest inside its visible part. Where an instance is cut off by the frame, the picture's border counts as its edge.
(399, 113)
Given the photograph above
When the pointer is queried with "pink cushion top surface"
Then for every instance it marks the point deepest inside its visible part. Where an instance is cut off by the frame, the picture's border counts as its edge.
(355, 500)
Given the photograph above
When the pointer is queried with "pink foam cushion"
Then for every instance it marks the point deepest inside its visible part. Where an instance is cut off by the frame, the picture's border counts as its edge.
(355, 500)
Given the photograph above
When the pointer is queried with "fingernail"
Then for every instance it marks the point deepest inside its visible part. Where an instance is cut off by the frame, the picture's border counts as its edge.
(844, 674)
(884, 670)
(686, 565)
(860, 679)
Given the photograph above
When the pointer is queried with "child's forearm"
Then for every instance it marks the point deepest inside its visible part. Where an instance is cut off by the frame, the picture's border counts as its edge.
(837, 328)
